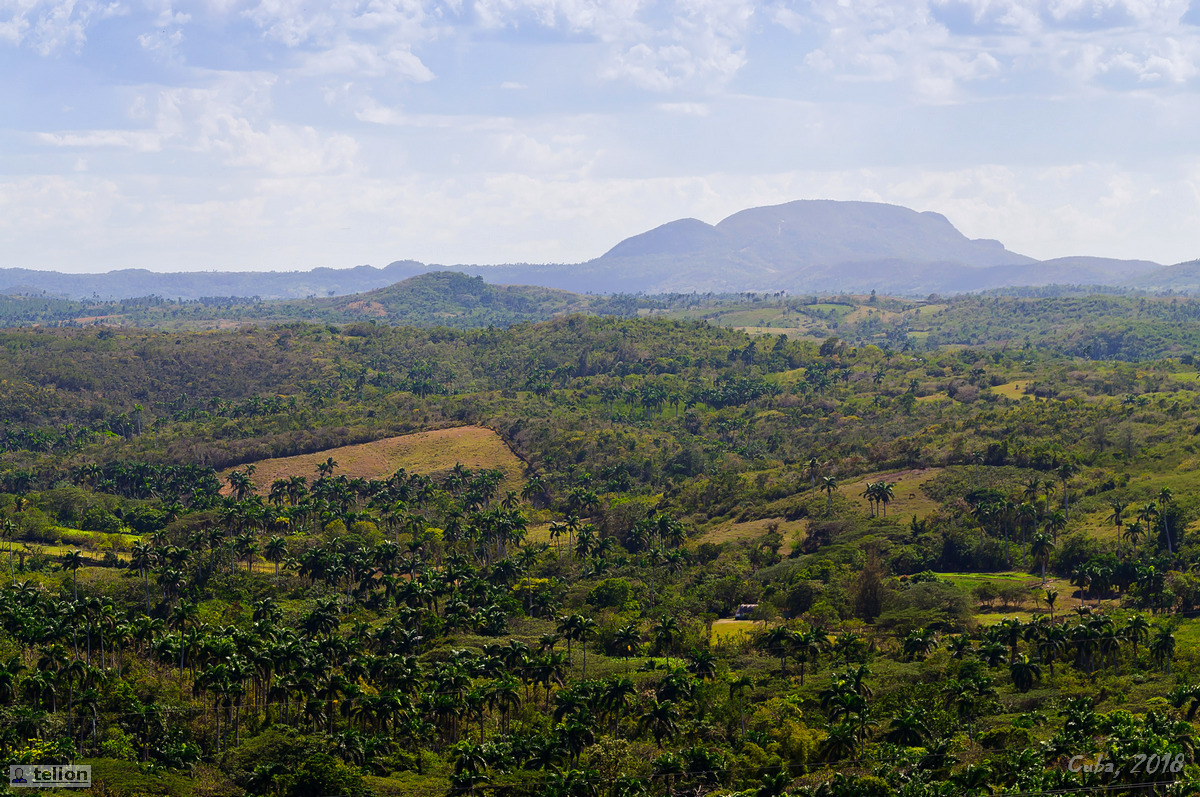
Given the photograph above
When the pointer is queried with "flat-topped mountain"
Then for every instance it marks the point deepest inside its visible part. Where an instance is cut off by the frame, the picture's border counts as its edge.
(814, 246)
(819, 232)
(794, 246)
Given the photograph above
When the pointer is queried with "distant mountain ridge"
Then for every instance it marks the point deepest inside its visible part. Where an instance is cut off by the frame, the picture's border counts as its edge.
(816, 246)
(802, 246)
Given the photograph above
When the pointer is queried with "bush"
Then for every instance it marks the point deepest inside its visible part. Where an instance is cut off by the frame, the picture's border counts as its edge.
(986, 593)
(611, 593)
(98, 518)
(925, 603)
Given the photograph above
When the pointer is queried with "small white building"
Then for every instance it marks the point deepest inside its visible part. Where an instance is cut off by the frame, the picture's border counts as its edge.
(744, 611)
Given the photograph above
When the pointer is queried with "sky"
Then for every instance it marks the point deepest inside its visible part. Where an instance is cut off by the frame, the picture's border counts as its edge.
(291, 134)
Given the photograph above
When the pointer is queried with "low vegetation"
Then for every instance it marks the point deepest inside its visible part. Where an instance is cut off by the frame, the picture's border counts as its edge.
(305, 560)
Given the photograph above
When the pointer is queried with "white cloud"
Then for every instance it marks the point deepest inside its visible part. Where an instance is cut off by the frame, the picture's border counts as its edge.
(229, 121)
(367, 39)
(658, 46)
(297, 220)
(330, 115)
(686, 108)
(136, 140)
(942, 49)
(52, 25)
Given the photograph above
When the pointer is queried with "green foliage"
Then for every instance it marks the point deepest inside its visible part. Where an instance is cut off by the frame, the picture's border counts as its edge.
(426, 631)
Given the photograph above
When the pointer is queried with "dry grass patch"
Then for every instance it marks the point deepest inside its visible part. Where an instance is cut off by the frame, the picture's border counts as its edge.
(1012, 390)
(792, 531)
(906, 485)
(424, 452)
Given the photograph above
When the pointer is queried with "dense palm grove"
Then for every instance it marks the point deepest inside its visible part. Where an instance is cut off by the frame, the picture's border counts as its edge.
(458, 632)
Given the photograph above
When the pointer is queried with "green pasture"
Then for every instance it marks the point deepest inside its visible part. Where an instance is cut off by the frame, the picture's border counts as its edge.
(729, 631)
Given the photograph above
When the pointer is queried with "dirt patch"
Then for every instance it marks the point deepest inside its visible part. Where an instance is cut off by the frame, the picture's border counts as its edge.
(424, 452)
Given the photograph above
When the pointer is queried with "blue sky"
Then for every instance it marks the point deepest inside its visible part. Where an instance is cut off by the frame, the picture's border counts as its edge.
(285, 134)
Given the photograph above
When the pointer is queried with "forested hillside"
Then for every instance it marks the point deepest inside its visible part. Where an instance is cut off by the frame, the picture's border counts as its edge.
(956, 569)
(1061, 318)
(443, 298)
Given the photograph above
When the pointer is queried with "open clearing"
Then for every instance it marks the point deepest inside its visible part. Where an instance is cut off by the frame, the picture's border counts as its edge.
(1013, 390)
(424, 452)
(906, 486)
(792, 531)
(729, 631)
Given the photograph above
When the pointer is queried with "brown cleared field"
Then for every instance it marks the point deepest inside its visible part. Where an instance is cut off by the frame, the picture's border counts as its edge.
(424, 452)
(908, 500)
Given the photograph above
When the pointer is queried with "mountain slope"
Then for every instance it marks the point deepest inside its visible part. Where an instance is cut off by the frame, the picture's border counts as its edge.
(799, 246)
(1181, 277)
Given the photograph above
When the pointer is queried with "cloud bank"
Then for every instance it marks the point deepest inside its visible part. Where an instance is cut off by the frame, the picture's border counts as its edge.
(281, 134)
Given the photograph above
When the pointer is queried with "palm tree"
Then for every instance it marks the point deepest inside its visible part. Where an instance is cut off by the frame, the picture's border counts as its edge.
(1137, 631)
(616, 696)
(276, 551)
(806, 647)
(666, 632)
(470, 763)
(1148, 515)
(141, 558)
(813, 466)
(774, 785)
(74, 561)
(841, 742)
(1163, 649)
(1165, 499)
(8, 530)
(1082, 577)
(627, 640)
(959, 646)
(1055, 522)
(1051, 643)
(587, 630)
(702, 664)
(829, 486)
(1187, 696)
(885, 492)
(1040, 549)
(1117, 519)
(1024, 672)
(567, 625)
(907, 730)
(1051, 598)
(918, 644)
(870, 493)
(1135, 532)
(1010, 630)
(8, 679)
(661, 719)
(778, 641)
(1065, 473)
